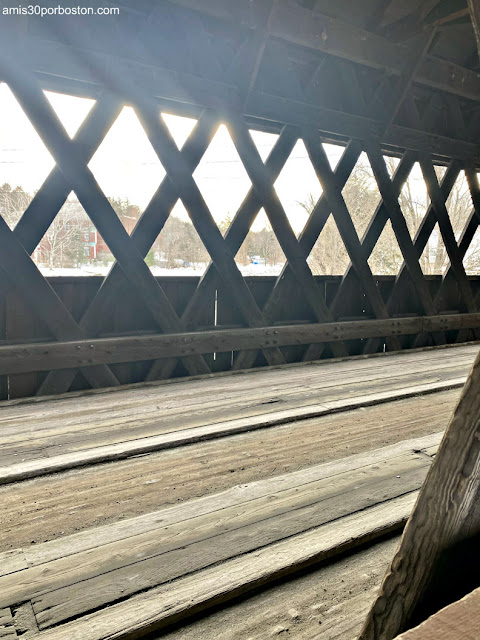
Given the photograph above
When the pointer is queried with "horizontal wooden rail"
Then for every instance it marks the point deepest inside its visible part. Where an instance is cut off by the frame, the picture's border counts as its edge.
(84, 353)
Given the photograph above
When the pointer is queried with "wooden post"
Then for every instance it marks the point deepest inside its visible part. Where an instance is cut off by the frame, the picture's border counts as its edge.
(474, 7)
(446, 514)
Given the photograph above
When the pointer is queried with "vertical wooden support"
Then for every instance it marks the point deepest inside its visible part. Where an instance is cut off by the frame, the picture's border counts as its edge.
(474, 7)
(447, 513)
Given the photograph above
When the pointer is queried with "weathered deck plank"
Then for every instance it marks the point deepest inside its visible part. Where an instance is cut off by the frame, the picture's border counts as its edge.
(199, 535)
(105, 582)
(77, 431)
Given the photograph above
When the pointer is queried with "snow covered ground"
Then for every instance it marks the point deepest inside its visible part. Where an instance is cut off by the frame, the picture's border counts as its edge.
(100, 270)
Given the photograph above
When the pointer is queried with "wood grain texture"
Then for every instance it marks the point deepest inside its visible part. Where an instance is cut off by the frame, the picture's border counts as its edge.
(91, 430)
(458, 621)
(444, 515)
(45, 356)
(162, 606)
(196, 535)
(7, 626)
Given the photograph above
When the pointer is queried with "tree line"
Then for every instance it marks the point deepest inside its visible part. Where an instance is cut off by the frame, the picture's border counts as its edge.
(179, 245)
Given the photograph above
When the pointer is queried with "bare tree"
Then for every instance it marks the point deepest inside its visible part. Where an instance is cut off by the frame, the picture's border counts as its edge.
(329, 256)
(13, 203)
(63, 243)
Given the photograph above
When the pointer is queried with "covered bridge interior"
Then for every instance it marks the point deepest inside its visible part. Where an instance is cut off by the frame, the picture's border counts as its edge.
(225, 454)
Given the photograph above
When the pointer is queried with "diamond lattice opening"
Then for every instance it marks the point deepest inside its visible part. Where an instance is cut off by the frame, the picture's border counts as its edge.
(264, 142)
(329, 256)
(414, 200)
(24, 158)
(386, 257)
(392, 164)
(361, 194)
(459, 204)
(334, 153)
(222, 178)
(179, 127)
(260, 253)
(178, 249)
(471, 261)
(71, 245)
(71, 110)
(440, 172)
(128, 175)
(298, 187)
(434, 259)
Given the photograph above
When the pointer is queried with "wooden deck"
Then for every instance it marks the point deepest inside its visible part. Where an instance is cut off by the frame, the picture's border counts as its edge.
(128, 511)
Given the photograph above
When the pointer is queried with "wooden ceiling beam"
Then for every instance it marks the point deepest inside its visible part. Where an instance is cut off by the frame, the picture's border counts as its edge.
(54, 63)
(314, 30)
(474, 8)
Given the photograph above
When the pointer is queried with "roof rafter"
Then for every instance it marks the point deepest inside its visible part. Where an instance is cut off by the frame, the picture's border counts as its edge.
(314, 30)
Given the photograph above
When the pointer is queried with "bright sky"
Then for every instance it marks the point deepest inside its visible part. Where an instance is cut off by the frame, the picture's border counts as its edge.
(126, 166)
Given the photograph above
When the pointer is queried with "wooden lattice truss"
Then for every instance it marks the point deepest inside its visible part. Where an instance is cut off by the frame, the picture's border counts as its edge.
(72, 173)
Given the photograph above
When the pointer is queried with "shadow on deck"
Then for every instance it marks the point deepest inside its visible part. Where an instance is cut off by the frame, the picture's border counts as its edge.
(129, 511)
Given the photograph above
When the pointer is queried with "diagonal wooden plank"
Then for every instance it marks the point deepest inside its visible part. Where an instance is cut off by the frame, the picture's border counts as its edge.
(49, 199)
(428, 223)
(446, 230)
(54, 191)
(463, 245)
(440, 211)
(346, 229)
(307, 240)
(192, 198)
(475, 15)
(203, 221)
(262, 183)
(421, 238)
(445, 516)
(407, 97)
(380, 216)
(95, 203)
(417, 50)
(21, 270)
(369, 240)
(474, 186)
(234, 238)
(146, 231)
(399, 225)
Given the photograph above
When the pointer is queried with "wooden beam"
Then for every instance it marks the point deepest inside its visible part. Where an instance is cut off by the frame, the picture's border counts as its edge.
(374, 20)
(369, 240)
(46, 356)
(416, 54)
(346, 228)
(49, 199)
(43, 300)
(307, 240)
(302, 114)
(95, 203)
(188, 92)
(474, 9)
(399, 225)
(446, 514)
(313, 30)
(252, 58)
(459, 621)
(263, 184)
(234, 238)
(143, 236)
